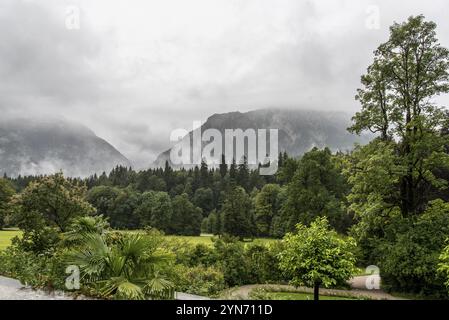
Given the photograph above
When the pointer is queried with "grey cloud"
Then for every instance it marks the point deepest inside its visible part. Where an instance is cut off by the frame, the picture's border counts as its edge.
(136, 69)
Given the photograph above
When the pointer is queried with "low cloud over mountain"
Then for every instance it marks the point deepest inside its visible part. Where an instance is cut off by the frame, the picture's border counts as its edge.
(30, 147)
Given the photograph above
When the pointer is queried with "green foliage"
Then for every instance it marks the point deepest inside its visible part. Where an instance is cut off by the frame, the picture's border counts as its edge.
(82, 226)
(155, 210)
(146, 181)
(387, 187)
(186, 218)
(237, 213)
(443, 265)
(242, 175)
(395, 176)
(204, 199)
(266, 208)
(37, 270)
(287, 169)
(317, 256)
(409, 263)
(126, 203)
(127, 269)
(200, 280)
(262, 264)
(408, 71)
(45, 208)
(246, 263)
(230, 253)
(200, 254)
(6, 192)
(317, 189)
(39, 241)
(103, 198)
(213, 223)
(51, 201)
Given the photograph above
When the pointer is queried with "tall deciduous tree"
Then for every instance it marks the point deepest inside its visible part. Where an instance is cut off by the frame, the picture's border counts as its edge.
(204, 198)
(266, 207)
(409, 70)
(51, 201)
(186, 218)
(317, 189)
(237, 213)
(155, 210)
(395, 177)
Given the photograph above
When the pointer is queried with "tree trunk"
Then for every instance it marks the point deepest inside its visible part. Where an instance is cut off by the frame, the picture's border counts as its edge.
(316, 291)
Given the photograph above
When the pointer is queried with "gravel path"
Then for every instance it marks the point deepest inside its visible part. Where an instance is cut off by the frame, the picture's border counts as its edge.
(11, 289)
(358, 285)
(188, 296)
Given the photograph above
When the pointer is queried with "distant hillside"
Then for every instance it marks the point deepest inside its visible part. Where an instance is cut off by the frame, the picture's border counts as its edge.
(47, 146)
(299, 130)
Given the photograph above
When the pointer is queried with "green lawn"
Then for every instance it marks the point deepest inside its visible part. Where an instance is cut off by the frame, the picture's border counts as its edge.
(6, 236)
(207, 239)
(303, 296)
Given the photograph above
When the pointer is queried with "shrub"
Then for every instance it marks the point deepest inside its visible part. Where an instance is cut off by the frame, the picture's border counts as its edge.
(409, 264)
(230, 254)
(260, 294)
(200, 280)
(262, 264)
(36, 270)
(39, 241)
(201, 255)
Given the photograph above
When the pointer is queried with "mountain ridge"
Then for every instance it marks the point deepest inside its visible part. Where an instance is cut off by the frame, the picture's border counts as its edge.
(45, 146)
(299, 130)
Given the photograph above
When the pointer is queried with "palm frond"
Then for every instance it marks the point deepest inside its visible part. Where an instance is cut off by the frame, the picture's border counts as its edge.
(159, 288)
(91, 258)
(122, 288)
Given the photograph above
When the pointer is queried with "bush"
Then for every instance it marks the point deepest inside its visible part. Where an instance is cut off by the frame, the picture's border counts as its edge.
(36, 270)
(260, 294)
(263, 264)
(39, 241)
(200, 255)
(231, 262)
(248, 263)
(200, 280)
(409, 264)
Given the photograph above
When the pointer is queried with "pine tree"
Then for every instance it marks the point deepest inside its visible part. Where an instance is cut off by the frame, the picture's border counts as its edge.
(204, 175)
(223, 166)
(243, 174)
(233, 170)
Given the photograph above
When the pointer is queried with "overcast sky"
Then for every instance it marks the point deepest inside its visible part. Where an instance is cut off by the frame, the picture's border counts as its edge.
(135, 70)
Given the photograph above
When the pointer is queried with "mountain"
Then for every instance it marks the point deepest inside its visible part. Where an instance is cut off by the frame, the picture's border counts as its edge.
(30, 147)
(298, 130)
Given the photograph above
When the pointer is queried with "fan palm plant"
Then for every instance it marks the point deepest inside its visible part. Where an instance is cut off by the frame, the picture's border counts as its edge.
(85, 225)
(127, 269)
